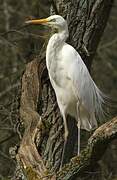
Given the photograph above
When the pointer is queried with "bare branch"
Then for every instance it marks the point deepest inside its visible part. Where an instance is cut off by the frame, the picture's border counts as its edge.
(10, 88)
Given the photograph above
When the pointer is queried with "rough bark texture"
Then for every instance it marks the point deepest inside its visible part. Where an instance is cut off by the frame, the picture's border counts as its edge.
(93, 152)
(41, 147)
(86, 20)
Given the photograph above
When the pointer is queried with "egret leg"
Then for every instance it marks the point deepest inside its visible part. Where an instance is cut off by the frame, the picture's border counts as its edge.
(65, 138)
(78, 126)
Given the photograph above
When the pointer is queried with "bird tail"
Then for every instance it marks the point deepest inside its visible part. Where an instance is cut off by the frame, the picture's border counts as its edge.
(88, 122)
(101, 103)
(105, 106)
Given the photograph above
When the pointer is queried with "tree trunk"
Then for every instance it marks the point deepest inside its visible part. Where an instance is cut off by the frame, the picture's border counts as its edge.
(41, 147)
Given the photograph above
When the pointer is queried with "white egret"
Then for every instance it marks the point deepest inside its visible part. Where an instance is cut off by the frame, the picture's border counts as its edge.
(76, 92)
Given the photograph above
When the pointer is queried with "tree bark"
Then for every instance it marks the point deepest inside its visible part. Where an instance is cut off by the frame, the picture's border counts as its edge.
(41, 147)
(86, 20)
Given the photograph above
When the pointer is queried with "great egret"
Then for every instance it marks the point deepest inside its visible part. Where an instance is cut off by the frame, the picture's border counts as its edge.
(76, 92)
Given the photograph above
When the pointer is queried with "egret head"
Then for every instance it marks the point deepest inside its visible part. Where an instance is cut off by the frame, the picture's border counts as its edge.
(54, 21)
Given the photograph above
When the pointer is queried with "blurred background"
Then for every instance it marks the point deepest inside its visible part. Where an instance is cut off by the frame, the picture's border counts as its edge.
(18, 45)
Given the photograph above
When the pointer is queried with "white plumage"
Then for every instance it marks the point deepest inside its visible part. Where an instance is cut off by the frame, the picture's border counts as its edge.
(76, 92)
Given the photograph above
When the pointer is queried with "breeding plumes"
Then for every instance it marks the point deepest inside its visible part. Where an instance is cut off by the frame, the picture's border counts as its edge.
(76, 92)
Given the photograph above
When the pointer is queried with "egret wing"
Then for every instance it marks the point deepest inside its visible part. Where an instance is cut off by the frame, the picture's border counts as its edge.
(83, 86)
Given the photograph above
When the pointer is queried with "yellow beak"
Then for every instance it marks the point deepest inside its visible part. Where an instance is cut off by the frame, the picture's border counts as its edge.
(37, 21)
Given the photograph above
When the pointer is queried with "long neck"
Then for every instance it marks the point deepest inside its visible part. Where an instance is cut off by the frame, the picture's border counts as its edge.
(63, 33)
(55, 44)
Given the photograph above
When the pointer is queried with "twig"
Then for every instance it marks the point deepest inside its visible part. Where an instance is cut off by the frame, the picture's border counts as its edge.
(108, 44)
(6, 139)
(12, 30)
(10, 88)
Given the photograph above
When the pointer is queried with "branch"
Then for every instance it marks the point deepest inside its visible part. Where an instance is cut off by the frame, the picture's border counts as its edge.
(28, 155)
(9, 89)
(96, 147)
(108, 44)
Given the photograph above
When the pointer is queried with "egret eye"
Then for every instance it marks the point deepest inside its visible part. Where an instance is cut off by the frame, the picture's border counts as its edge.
(53, 20)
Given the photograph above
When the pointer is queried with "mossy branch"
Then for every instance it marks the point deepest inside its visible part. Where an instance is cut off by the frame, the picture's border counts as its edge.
(92, 153)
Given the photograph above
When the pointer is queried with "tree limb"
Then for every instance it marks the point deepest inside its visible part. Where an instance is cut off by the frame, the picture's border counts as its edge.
(28, 154)
(93, 152)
